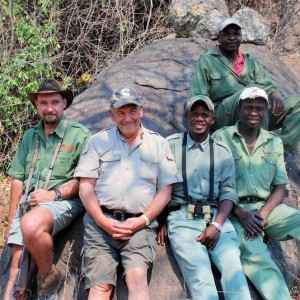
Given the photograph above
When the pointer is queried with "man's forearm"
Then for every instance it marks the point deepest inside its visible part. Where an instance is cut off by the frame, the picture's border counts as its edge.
(70, 189)
(16, 192)
(276, 197)
(224, 209)
(89, 199)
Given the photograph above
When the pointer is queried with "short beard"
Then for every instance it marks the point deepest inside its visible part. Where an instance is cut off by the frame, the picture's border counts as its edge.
(50, 122)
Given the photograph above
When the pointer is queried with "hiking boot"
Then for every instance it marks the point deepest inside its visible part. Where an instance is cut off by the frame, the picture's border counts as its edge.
(49, 284)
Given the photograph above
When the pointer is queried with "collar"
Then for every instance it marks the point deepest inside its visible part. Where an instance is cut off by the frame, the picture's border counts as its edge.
(191, 143)
(59, 130)
(119, 134)
(263, 135)
(214, 51)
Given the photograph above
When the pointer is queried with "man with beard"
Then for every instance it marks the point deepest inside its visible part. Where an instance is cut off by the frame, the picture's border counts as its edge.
(261, 178)
(223, 72)
(198, 227)
(52, 149)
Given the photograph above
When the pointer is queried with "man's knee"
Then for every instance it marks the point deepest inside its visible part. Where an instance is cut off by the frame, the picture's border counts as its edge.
(136, 279)
(32, 226)
(98, 290)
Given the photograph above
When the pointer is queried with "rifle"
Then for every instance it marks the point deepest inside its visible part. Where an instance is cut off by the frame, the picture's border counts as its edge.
(21, 290)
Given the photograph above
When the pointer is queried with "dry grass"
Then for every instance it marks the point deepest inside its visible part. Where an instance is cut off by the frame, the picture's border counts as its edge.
(4, 201)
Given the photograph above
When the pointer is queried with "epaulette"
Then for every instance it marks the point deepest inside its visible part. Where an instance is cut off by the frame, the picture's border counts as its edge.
(153, 132)
(81, 126)
(222, 144)
(273, 133)
(174, 136)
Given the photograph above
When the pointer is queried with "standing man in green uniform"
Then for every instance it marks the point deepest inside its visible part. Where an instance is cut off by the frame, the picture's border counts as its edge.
(198, 228)
(261, 180)
(55, 202)
(224, 71)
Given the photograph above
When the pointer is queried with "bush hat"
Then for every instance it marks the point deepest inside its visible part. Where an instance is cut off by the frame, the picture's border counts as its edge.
(226, 22)
(123, 96)
(49, 86)
(252, 93)
(201, 98)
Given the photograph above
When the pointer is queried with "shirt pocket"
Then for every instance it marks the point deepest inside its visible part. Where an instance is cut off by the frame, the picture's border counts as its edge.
(64, 164)
(148, 169)
(109, 165)
(239, 166)
(204, 184)
(268, 169)
(220, 84)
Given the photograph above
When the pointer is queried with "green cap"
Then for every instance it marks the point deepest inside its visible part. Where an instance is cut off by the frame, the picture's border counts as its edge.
(201, 98)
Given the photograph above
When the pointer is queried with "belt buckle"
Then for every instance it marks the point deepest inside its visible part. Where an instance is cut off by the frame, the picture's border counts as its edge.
(119, 215)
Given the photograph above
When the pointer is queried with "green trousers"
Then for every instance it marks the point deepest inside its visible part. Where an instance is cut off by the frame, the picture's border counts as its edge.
(226, 115)
(283, 223)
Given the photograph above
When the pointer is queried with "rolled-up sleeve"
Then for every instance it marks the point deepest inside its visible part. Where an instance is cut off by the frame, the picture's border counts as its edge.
(168, 171)
(88, 165)
(228, 184)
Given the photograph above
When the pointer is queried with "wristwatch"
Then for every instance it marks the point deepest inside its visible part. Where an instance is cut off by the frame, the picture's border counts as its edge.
(217, 225)
(58, 195)
(146, 219)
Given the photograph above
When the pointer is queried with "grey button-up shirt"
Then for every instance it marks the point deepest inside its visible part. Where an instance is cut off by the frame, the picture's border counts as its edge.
(128, 178)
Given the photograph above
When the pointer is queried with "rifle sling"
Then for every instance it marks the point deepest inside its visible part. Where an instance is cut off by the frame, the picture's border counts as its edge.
(32, 167)
(51, 167)
(211, 169)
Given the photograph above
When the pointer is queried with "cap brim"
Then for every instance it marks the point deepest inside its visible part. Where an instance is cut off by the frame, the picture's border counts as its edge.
(190, 105)
(121, 103)
(67, 94)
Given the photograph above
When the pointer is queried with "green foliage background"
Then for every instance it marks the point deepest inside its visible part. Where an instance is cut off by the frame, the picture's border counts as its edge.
(27, 44)
(70, 40)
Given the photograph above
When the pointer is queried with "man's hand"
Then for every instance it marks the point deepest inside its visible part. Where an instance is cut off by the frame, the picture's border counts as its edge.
(134, 224)
(209, 237)
(253, 223)
(162, 235)
(276, 103)
(39, 196)
(116, 229)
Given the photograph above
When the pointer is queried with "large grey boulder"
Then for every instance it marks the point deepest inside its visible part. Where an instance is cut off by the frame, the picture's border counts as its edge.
(197, 17)
(255, 27)
(200, 18)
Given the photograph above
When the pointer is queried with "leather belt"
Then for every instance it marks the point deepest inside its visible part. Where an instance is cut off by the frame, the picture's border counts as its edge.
(250, 199)
(119, 214)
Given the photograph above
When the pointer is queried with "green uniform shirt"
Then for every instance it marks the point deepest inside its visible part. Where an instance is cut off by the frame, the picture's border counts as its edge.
(68, 156)
(198, 167)
(214, 76)
(258, 172)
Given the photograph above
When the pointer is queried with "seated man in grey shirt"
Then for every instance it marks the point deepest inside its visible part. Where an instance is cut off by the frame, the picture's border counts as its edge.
(126, 175)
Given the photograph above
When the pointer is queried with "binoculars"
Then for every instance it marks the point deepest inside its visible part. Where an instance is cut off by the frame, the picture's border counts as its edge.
(198, 210)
